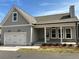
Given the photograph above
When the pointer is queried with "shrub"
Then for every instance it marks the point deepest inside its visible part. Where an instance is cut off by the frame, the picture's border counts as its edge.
(44, 44)
(64, 45)
(32, 44)
(70, 45)
(56, 44)
(49, 44)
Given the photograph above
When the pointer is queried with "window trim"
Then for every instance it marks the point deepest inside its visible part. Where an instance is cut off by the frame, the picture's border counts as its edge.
(9, 31)
(60, 33)
(13, 17)
(70, 33)
(55, 33)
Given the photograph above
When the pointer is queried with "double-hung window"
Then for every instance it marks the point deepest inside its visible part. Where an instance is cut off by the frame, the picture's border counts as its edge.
(68, 33)
(59, 33)
(53, 33)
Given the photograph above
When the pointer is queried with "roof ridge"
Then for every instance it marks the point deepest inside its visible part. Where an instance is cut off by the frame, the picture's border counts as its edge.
(51, 15)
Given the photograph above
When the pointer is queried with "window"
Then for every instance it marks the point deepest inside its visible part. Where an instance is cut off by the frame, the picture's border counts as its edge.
(18, 30)
(9, 30)
(68, 33)
(14, 17)
(59, 33)
(47, 33)
(53, 33)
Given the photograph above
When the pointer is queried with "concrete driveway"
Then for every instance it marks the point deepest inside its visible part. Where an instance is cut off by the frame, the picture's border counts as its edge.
(18, 55)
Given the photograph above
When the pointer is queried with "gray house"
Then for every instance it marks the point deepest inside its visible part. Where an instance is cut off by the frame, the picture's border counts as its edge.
(20, 28)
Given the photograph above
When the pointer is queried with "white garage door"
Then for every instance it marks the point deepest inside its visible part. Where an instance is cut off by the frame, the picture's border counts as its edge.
(15, 38)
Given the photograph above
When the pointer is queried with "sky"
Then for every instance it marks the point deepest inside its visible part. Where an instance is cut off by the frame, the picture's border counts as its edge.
(39, 7)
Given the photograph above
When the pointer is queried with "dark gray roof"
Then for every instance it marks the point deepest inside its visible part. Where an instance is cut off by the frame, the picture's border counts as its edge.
(65, 17)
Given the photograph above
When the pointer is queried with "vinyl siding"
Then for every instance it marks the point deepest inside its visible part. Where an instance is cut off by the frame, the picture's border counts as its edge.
(20, 21)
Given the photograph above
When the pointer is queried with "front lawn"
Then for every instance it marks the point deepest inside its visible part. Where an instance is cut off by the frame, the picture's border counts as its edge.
(51, 50)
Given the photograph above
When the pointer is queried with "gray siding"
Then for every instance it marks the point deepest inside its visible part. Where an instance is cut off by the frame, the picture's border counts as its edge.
(35, 35)
(15, 29)
(38, 35)
(20, 21)
(73, 35)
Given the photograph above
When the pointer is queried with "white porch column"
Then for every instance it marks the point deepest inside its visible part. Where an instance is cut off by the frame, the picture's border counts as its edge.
(61, 33)
(45, 39)
(31, 35)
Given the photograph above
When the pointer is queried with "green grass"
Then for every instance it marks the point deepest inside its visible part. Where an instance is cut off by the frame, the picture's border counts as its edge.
(51, 50)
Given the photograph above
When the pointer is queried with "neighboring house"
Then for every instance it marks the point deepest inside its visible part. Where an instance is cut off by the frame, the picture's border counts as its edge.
(20, 28)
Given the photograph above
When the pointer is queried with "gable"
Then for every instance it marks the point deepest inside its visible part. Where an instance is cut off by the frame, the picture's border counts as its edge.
(23, 18)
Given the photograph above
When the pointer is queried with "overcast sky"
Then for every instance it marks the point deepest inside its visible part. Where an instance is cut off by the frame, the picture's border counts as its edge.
(39, 7)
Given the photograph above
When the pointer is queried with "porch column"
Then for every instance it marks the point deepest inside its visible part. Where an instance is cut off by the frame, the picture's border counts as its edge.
(45, 40)
(76, 32)
(61, 33)
(31, 35)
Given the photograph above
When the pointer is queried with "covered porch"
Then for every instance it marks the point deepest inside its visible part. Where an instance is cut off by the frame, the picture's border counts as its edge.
(56, 33)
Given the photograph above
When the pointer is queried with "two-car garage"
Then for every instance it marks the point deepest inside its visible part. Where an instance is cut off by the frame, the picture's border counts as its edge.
(15, 38)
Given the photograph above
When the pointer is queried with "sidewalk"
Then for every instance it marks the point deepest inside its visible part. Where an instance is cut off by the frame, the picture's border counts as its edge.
(15, 48)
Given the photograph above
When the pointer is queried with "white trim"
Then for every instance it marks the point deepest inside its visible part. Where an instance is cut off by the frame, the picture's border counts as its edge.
(45, 35)
(61, 33)
(68, 42)
(48, 33)
(70, 32)
(55, 33)
(31, 35)
(13, 16)
(18, 25)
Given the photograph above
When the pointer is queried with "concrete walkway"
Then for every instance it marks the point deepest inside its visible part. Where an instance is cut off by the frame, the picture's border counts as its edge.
(15, 48)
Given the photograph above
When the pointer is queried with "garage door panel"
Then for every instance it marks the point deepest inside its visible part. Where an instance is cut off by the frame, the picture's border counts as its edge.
(15, 38)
